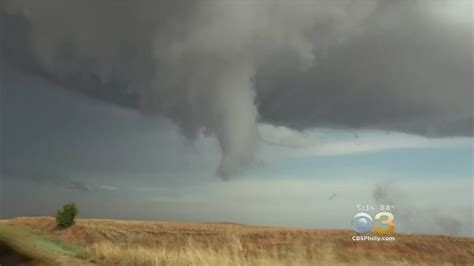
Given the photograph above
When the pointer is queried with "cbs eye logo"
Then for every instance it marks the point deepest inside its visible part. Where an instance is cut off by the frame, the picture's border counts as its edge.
(362, 223)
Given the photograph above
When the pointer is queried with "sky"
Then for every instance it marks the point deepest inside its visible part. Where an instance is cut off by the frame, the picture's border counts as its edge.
(261, 113)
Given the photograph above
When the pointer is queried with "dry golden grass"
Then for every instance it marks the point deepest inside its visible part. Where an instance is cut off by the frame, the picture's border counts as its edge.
(111, 242)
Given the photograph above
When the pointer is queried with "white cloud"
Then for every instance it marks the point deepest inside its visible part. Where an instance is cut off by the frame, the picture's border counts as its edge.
(284, 136)
(364, 142)
(382, 142)
(459, 11)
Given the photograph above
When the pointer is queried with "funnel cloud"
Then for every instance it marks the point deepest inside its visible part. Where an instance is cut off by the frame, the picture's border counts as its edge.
(224, 67)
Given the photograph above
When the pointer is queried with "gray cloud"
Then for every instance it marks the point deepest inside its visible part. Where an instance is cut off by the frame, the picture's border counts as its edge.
(407, 71)
(223, 65)
(53, 132)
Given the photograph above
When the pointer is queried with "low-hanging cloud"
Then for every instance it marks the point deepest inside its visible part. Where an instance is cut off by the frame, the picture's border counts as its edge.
(64, 182)
(224, 66)
(283, 136)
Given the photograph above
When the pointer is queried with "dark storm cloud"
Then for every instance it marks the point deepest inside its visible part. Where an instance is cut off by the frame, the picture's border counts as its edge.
(49, 132)
(411, 73)
(224, 65)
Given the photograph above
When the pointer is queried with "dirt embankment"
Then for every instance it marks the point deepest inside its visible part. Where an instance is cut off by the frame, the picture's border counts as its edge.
(8, 256)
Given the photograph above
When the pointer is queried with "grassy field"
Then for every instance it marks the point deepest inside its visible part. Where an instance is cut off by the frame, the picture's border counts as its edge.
(113, 242)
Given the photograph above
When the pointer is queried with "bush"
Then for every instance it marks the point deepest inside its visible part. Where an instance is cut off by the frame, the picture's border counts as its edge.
(65, 217)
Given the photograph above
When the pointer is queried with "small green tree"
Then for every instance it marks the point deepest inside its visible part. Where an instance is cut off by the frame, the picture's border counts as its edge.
(65, 216)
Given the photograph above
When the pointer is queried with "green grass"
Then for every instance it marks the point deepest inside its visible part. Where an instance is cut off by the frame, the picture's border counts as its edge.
(42, 249)
(58, 247)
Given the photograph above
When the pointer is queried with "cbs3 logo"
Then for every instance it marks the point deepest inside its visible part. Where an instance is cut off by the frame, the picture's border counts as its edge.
(363, 223)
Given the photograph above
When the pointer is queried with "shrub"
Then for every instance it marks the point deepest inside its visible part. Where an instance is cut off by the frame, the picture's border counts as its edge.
(65, 217)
